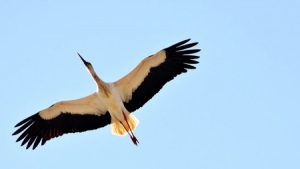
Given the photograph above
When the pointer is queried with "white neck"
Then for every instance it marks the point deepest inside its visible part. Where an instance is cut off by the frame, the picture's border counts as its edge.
(102, 86)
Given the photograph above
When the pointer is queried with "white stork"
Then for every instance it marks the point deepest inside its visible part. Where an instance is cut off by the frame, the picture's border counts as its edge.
(112, 103)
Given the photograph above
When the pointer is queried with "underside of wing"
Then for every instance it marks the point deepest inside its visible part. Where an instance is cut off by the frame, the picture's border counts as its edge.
(61, 118)
(141, 84)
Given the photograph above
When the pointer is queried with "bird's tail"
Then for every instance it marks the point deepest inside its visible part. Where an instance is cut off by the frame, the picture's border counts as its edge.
(118, 129)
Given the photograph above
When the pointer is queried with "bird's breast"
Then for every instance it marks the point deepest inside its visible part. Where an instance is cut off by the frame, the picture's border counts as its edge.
(113, 103)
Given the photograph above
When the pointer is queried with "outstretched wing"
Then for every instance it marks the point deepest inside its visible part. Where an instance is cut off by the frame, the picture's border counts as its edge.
(143, 82)
(79, 115)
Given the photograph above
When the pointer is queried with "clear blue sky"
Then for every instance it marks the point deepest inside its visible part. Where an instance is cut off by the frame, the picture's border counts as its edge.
(238, 109)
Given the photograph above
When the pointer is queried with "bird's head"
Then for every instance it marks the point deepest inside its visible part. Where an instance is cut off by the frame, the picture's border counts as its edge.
(90, 68)
(87, 64)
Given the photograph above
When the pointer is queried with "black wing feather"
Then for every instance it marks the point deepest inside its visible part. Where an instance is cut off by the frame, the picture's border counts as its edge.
(178, 60)
(35, 129)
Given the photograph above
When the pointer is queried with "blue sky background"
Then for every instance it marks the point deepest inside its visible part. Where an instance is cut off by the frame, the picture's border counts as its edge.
(238, 109)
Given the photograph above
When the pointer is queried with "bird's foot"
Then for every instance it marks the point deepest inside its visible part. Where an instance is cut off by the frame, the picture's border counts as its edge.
(134, 140)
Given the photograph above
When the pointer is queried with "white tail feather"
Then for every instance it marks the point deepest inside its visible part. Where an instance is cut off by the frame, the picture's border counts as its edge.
(118, 129)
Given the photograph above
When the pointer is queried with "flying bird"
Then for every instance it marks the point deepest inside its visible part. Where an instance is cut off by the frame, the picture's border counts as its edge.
(112, 103)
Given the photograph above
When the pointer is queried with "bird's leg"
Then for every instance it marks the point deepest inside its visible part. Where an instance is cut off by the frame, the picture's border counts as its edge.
(126, 130)
(133, 138)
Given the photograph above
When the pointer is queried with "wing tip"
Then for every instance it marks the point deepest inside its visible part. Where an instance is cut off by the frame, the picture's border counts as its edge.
(187, 40)
(181, 46)
(26, 120)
